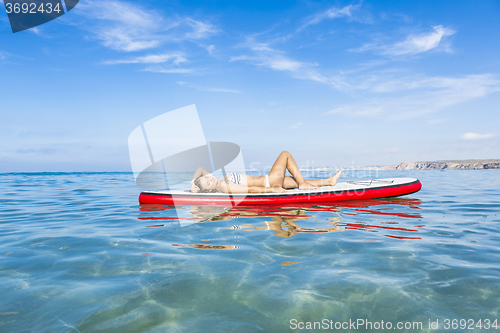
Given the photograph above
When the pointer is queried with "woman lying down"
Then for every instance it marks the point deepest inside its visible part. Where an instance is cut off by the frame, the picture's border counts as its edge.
(275, 182)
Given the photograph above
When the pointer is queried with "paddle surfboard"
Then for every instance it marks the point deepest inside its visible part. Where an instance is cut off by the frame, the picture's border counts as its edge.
(352, 190)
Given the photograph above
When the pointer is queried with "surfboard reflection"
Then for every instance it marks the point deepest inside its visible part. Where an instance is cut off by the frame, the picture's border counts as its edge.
(289, 221)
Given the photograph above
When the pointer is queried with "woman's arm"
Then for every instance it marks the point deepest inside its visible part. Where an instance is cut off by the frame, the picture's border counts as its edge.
(200, 172)
(234, 188)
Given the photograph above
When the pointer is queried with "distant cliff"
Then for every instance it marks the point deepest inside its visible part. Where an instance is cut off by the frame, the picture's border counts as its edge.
(452, 165)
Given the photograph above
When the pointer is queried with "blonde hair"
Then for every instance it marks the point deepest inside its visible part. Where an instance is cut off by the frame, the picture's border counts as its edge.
(202, 190)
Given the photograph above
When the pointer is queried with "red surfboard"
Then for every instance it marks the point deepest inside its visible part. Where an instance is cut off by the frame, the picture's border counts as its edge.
(353, 190)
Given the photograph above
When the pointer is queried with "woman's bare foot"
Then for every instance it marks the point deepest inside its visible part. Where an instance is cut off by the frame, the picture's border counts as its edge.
(333, 180)
(307, 186)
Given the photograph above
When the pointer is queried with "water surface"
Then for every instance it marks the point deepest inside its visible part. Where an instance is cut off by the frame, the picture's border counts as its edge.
(79, 254)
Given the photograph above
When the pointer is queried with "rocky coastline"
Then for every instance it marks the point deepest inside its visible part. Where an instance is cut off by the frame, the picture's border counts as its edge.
(490, 164)
(450, 165)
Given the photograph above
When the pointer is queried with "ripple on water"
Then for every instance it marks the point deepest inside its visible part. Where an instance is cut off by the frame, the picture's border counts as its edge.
(78, 254)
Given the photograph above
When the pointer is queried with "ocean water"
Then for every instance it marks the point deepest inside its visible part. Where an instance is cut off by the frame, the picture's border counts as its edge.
(79, 254)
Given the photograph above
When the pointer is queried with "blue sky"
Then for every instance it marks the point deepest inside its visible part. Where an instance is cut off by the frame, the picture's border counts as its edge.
(335, 83)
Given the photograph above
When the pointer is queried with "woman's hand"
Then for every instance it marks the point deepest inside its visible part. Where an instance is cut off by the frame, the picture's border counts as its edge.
(194, 188)
(200, 172)
(278, 189)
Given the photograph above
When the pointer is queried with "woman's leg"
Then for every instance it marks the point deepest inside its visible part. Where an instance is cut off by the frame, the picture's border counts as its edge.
(289, 182)
(325, 182)
(277, 174)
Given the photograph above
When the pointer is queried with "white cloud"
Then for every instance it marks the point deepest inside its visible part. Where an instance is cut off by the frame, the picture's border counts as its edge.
(209, 89)
(128, 27)
(160, 69)
(413, 44)
(281, 63)
(332, 12)
(420, 43)
(338, 82)
(264, 55)
(35, 30)
(395, 81)
(122, 26)
(210, 49)
(415, 97)
(406, 94)
(293, 127)
(200, 29)
(476, 136)
(178, 58)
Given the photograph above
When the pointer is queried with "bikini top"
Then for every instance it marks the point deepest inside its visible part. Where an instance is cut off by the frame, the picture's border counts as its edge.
(234, 178)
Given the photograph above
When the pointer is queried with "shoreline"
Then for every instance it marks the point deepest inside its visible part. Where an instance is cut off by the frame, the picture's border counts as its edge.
(483, 164)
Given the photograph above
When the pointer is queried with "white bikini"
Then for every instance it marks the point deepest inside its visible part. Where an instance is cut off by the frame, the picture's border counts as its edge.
(237, 179)
(267, 181)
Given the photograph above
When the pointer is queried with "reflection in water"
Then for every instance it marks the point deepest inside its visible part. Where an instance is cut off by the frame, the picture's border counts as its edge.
(288, 221)
(288, 263)
(285, 225)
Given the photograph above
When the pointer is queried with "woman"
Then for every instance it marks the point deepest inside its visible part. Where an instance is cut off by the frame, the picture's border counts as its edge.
(275, 182)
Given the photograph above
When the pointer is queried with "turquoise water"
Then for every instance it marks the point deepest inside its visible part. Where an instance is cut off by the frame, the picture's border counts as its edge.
(78, 254)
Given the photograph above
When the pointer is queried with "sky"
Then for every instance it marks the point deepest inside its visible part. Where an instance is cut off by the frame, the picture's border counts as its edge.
(336, 83)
